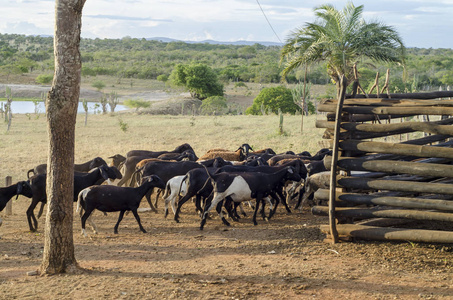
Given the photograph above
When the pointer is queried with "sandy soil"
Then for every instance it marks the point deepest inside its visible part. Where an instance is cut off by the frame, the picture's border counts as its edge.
(284, 258)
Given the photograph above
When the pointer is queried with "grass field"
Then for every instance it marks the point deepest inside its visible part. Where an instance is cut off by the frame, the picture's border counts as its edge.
(25, 145)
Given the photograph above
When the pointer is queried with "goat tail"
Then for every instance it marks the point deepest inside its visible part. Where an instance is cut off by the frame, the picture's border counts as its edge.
(167, 190)
(136, 176)
(81, 200)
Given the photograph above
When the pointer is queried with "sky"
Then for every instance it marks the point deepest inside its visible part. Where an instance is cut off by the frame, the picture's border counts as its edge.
(420, 23)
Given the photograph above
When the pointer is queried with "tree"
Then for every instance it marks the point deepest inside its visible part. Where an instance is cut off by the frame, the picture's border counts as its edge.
(61, 111)
(214, 105)
(44, 78)
(272, 99)
(341, 38)
(98, 84)
(199, 79)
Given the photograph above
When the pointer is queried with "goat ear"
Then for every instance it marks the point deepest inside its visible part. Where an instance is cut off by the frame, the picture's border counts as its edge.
(104, 173)
(19, 189)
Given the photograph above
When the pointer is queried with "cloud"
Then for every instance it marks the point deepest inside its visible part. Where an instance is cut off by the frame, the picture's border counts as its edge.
(126, 18)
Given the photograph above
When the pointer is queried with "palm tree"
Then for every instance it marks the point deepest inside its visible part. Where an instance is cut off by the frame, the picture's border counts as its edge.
(341, 38)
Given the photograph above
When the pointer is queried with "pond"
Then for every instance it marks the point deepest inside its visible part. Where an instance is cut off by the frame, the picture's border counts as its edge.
(28, 107)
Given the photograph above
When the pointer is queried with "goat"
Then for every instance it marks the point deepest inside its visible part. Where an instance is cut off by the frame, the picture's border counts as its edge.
(188, 155)
(19, 188)
(117, 160)
(108, 198)
(38, 186)
(215, 162)
(151, 154)
(238, 155)
(196, 184)
(298, 166)
(312, 184)
(83, 167)
(165, 170)
(129, 167)
(133, 163)
(244, 187)
(174, 187)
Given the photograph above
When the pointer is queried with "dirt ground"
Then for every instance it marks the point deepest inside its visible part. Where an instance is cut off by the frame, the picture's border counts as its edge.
(284, 258)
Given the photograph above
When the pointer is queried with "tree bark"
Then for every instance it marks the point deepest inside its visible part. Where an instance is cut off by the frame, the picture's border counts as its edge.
(61, 112)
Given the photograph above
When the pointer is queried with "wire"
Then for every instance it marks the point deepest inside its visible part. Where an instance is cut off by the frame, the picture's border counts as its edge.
(268, 21)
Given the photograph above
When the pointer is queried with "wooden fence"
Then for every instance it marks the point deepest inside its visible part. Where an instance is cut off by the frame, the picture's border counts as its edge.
(392, 162)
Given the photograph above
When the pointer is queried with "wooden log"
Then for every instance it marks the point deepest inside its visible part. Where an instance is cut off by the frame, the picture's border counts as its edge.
(392, 234)
(389, 102)
(365, 118)
(406, 202)
(395, 185)
(440, 127)
(420, 141)
(365, 213)
(383, 110)
(395, 148)
(390, 166)
(9, 206)
(420, 96)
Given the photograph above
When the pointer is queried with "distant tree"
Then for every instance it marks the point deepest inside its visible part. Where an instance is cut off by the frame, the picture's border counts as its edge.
(214, 104)
(137, 104)
(113, 101)
(199, 79)
(98, 84)
(162, 77)
(272, 99)
(44, 78)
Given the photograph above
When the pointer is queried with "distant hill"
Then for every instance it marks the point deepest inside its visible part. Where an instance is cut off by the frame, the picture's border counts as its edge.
(240, 43)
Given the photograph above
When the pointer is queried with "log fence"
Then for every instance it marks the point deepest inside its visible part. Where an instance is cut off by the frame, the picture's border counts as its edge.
(406, 180)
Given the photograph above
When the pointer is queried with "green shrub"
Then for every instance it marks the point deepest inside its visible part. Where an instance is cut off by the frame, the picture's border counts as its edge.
(137, 103)
(44, 79)
(214, 104)
(162, 77)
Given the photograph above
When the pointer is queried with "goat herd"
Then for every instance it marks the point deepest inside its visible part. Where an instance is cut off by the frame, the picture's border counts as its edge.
(218, 179)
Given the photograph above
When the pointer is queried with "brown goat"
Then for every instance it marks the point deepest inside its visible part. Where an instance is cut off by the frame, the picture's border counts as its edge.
(238, 155)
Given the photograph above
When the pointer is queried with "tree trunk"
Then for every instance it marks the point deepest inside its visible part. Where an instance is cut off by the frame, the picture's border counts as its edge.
(61, 112)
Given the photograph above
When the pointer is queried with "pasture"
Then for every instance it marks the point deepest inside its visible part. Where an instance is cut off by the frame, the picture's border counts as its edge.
(284, 258)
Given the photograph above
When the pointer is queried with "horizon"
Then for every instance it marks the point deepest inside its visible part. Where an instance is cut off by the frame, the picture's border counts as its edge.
(420, 23)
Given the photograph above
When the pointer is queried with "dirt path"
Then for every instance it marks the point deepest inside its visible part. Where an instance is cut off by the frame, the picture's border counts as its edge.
(282, 259)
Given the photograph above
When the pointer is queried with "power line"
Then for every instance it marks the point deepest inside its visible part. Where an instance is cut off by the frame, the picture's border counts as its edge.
(268, 21)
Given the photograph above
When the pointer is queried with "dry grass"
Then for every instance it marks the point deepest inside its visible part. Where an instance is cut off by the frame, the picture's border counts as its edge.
(25, 145)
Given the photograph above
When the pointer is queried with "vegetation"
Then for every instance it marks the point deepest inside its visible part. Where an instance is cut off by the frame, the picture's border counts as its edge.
(342, 39)
(214, 105)
(199, 79)
(137, 104)
(44, 78)
(116, 61)
(272, 100)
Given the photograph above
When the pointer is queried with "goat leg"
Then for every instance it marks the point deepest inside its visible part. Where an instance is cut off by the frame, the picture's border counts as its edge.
(134, 211)
(115, 229)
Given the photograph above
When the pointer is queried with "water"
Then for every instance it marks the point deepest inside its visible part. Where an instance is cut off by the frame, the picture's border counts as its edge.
(28, 107)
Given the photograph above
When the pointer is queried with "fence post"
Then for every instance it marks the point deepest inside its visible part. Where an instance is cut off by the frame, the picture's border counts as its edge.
(9, 205)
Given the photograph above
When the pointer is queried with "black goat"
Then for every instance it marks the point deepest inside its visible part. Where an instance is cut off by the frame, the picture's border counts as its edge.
(243, 187)
(38, 186)
(19, 188)
(84, 167)
(155, 154)
(109, 198)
